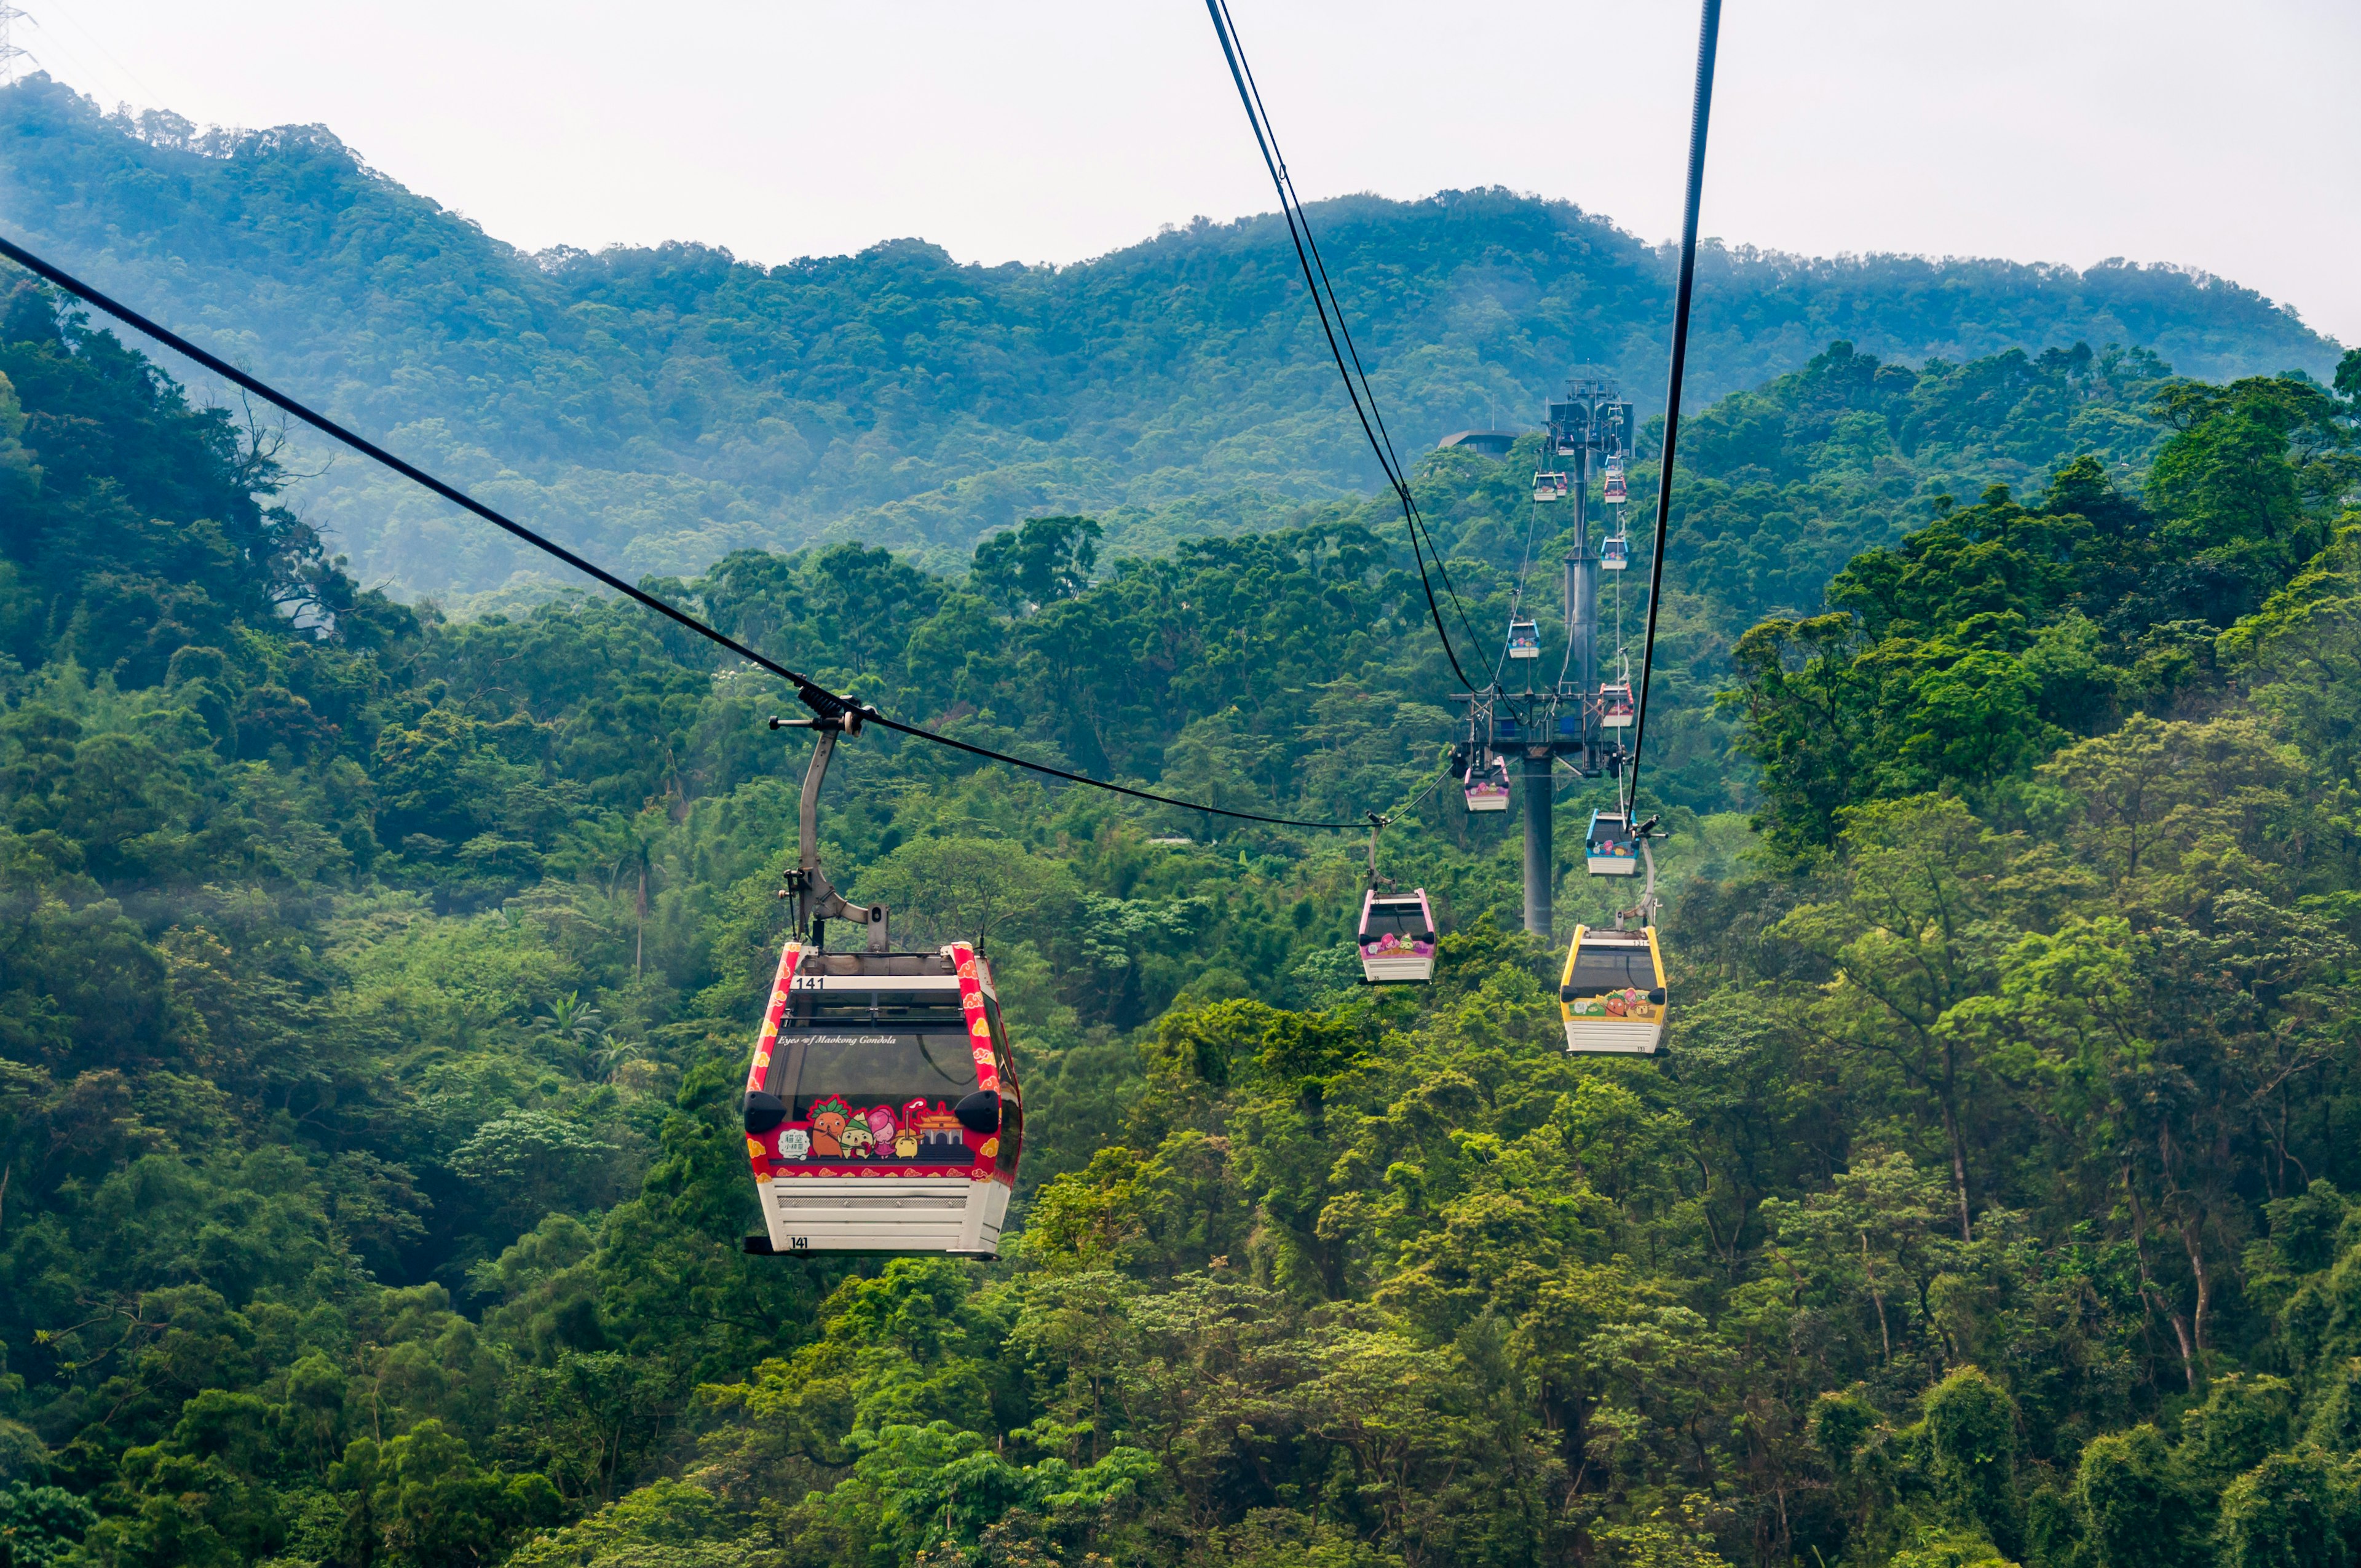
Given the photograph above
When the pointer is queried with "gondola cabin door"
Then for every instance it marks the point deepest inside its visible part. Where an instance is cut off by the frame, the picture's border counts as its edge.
(883, 1113)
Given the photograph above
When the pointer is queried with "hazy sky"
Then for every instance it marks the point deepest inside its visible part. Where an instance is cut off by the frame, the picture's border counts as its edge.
(2212, 134)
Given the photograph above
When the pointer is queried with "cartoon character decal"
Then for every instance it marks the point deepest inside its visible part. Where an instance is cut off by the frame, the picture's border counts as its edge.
(830, 1118)
(1628, 1003)
(921, 1131)
(1393, 944)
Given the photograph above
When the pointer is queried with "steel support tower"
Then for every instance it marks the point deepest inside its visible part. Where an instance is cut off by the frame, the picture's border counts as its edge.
(1546, 725)
(10, 51)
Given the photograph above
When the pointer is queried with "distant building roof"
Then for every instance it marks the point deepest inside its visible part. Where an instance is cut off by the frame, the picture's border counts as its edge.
(1490, 442)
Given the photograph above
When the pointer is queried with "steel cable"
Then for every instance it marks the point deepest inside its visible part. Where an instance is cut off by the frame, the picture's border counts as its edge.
(1298, 231)
(818, 698)
(1701, 108)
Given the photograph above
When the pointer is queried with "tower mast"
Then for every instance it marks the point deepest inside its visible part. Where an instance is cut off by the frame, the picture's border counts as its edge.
(9, 52)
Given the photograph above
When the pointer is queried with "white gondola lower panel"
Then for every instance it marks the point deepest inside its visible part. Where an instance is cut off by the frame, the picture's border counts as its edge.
(885, 1214)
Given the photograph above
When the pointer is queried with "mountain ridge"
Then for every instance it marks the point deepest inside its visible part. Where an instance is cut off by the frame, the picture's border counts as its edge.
(664, 405)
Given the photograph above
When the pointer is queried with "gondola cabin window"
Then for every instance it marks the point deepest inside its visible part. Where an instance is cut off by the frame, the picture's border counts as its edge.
(1626, 966)
(882, 1083)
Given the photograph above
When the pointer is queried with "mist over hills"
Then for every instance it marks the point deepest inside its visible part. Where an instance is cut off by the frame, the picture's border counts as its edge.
(660, 407)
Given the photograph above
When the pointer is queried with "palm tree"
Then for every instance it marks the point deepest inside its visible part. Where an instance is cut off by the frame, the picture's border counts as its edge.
(634, 854)
(617, 1056)
(574, 1020)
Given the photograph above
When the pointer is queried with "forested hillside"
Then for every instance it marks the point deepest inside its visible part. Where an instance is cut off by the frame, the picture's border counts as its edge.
(663, 406)
(374, 990)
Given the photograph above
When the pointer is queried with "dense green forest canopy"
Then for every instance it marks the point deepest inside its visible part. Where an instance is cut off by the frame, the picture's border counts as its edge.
(662, 407)
(374, 987)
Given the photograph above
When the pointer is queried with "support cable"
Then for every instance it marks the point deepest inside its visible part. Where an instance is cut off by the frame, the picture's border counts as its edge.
(1566, 661)
(1299, 233)
(827, 703)
(1701, 108)
(1291, 201)
(1406, 808)
(1517, 600)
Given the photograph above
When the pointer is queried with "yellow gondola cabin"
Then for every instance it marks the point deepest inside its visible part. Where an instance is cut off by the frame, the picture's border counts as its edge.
(1611, 994)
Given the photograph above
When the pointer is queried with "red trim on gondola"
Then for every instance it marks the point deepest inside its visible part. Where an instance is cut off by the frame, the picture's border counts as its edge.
(987, 1061)
(759, 1151)
(979, 1027)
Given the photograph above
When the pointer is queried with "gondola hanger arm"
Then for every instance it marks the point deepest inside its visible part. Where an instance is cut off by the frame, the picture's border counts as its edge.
(846, 719)
(1376, 826)
(816, 901)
